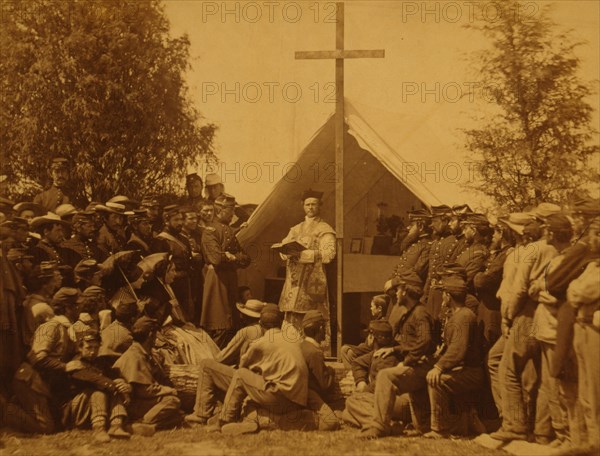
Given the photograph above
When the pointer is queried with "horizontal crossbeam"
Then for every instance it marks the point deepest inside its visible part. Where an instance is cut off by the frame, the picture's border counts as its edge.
(340, 54)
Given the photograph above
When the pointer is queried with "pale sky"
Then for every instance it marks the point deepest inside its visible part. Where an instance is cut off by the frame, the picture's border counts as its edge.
(267, 105)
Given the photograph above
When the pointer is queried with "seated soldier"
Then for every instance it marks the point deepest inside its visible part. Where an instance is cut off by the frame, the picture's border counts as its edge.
(154, 405)
(96, 397)
(41, 384)
(272, 374)
(215, 376)
(251, 330)
(321, 378)
(43, 281)
(414, 346)
(317, 415)
(379, 308)
(117, 337)
(366, 367)
(457, 370)
(87, 273)
(92, 301)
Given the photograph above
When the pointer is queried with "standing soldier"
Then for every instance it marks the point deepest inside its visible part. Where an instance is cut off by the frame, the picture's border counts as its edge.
(152, 207)
(82, 245)
(111, 237)
(459, 213)
(55, 196)
(223, 255)
(416, 245)
(51, 228)
(487, 282)
(141, 232)
(194, 184)
(193, 234)
(173, 241)
(443, 250)
(474, 252)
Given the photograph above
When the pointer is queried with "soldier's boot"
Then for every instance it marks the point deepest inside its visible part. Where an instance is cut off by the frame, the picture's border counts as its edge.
(116, 430)
(99, 430)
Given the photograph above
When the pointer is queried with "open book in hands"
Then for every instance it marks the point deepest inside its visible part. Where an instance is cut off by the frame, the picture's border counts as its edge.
(289, 248)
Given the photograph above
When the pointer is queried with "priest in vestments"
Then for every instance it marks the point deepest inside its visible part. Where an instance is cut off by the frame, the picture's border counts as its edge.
(305, 285)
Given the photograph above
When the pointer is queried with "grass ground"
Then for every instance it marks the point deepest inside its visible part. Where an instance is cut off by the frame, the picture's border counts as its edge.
(196, 442)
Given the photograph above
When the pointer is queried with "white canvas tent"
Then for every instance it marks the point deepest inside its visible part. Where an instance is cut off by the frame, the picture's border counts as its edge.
(373, 173)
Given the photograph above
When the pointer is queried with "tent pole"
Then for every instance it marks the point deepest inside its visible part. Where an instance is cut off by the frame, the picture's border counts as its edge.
(339, 167)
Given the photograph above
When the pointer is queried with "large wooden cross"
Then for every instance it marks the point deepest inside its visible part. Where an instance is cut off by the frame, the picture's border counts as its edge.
(339, 55)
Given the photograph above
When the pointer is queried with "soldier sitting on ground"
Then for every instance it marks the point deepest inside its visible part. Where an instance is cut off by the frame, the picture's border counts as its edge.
(154, 405)
(96, 397)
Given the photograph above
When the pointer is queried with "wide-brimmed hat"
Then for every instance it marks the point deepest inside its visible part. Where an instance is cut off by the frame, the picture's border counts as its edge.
(49, 219)
(37, 209)
(252, 308)
(212, 179)
(110, 208)
(516, 221)
(125, 201)
(65, 210)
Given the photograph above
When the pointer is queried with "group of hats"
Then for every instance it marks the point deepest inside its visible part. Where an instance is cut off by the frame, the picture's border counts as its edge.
(264, 312)
(544, 213)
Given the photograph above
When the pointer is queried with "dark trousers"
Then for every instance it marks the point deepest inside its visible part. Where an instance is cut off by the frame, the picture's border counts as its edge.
(162, 411)
(213, 381)
(37, 406)
(460, 385)
(391, 383)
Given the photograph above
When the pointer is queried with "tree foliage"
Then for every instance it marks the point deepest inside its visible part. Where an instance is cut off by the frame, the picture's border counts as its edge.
(540, 145)
(101, 83)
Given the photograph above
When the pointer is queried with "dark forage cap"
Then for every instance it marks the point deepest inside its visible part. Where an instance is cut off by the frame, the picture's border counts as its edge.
(225, 200)
(586, 206)
(461, 210)
(193, 177)
(59, 162)
(86, 268)
(125, 309)
(271, 314)
(144, 326)
(408, 277)
(150, 201)
(93, 292)
(66, 296)
(312, 316)
(454, 284)
(558, 223)
(419, 214)
(473, 218)
(171, 210)
(45, 269)
(439, 211)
